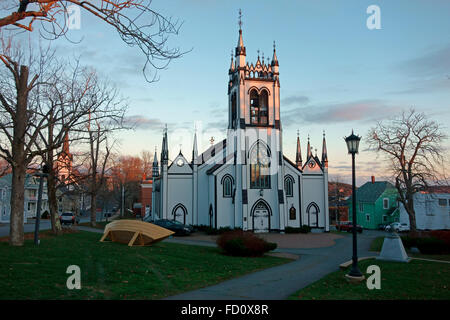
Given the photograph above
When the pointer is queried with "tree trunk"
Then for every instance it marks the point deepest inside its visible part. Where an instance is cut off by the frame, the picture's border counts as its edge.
(17, 205)
(52, 200)
(19, 166)
(412, 215)
(51, 184)
(93, 209)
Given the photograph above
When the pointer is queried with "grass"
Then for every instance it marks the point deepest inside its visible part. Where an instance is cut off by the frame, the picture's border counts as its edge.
(115, 271)
(98, 225)
(414, 280)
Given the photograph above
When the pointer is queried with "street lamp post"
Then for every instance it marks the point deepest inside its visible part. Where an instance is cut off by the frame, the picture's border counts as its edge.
(352, 146)
(41, 176)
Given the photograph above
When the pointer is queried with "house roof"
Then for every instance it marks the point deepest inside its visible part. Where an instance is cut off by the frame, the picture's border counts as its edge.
(370, 192)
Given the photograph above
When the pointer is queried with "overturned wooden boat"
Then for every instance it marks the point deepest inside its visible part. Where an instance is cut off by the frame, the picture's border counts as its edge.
(134, 232)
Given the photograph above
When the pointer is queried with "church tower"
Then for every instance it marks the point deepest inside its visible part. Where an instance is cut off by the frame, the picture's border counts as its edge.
(254, 133)
(64, 162)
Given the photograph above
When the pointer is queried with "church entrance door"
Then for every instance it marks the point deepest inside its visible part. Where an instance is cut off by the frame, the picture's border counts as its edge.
(179, 213)
(261, 218)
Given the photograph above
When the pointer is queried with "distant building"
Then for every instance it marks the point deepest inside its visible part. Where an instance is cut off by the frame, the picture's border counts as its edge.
(30, 197)
(376, 203)
(432, 208)
(146, 196)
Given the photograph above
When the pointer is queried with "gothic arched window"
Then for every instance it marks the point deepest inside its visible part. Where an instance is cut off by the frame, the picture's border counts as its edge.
(259, 107)
(233, 109)
(259, 167)
(254, 107)
(289, 186)
(227, 187)
(263, 109)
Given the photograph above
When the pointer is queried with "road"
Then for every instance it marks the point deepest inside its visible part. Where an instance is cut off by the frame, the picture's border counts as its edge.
(29, 227)
(280, 282)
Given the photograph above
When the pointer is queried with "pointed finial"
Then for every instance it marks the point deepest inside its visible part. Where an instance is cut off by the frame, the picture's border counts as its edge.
(263, 56)
(274, 45)
(211, 140)
(324, 133)
(240, 19)
(298, 132)
(308, 136)
(258, 53)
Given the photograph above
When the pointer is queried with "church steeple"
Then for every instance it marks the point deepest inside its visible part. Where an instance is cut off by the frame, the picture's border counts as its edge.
(165, 148)
(195, 149)
(308, 150)
(298, 156)
(274, 59)
(324, 152)
(155, 167)
(66, 144)
(240, 49)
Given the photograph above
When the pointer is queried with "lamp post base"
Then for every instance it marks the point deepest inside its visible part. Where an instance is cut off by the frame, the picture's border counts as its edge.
(354, 279)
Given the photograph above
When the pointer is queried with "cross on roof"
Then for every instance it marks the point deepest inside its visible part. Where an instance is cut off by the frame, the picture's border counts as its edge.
(240, 19)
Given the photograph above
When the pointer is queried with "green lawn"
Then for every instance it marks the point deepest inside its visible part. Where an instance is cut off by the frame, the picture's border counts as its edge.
(113, 270)
(414, 280)
(98, 225)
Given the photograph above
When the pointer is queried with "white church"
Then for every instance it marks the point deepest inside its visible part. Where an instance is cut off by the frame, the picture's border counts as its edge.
(245, 181)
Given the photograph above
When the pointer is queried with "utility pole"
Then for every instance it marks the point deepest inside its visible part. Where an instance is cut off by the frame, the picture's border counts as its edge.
(123, 200)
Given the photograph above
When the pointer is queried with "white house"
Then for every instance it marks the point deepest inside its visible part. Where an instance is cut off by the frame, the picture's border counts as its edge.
(245, 180)
(432, 211)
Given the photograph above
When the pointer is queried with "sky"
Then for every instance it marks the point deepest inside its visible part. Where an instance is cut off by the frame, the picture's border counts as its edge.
(335, 73)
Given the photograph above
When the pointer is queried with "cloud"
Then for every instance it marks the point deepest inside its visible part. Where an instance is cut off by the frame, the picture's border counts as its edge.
(295, 100)
(361, 110)
(429, 72)
(142, 122)
(433, 63)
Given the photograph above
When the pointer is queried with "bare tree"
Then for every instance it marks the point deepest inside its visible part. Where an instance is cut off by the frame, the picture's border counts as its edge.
(412, 146)
(134, 20)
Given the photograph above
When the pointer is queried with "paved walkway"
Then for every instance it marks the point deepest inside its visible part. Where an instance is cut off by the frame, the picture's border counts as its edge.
(279, 282)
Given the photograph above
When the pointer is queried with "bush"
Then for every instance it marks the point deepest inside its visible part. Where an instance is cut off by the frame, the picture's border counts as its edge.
(432, 246)
(305, 229)
(45, 215)
(244, 244)
(292, 230)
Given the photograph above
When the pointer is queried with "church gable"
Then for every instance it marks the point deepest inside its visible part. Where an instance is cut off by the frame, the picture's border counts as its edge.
(312, 166)
(180, 166)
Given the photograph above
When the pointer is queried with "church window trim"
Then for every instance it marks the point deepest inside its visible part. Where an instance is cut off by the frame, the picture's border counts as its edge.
(259, 158)
(227, 182)
(259, 107)
(289, 186)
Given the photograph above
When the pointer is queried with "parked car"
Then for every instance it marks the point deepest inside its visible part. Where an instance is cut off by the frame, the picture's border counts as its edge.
(179, 228)
(397, 227)
(68, 218)
(348, 226)
(382, 226)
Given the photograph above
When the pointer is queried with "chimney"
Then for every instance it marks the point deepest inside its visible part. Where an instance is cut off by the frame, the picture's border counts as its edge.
(373, 179)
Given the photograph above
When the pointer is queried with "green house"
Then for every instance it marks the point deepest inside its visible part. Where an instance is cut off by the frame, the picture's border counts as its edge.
(376, 203)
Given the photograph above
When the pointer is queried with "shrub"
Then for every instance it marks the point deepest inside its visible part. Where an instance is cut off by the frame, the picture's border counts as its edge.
(244, 243)
(432, 246)
(305, 229)
(292, 230)
(45, 215)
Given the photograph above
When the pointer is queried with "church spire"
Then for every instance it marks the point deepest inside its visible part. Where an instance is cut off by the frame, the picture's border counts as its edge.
(274, 59)
(308, 150)
(240, 49)
(195, 149)
(66, 144)
(165, 148)
(324, 151)
(232, 63)
(298, 156)
(155, 166)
